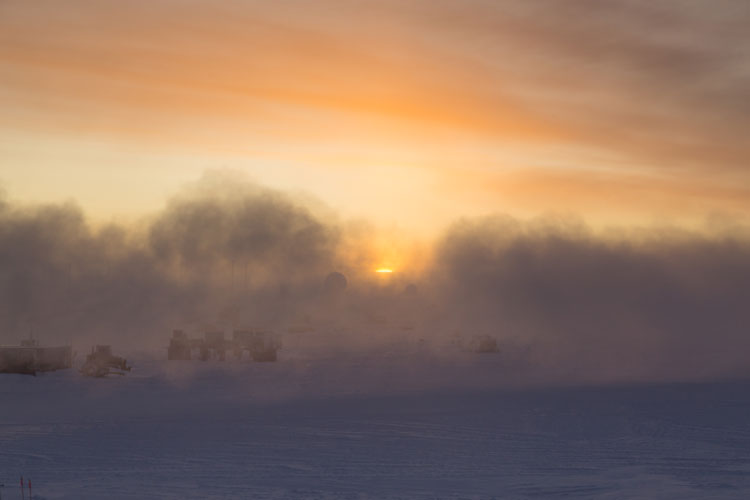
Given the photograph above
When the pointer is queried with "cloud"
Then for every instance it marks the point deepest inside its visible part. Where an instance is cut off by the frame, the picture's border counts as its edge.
(629, 93)
(228, 220)
(224, 243)
(568, 304)
(661, 82)
(637, 305)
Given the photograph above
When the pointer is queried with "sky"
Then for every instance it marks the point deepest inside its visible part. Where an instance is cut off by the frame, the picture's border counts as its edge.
(406, 114)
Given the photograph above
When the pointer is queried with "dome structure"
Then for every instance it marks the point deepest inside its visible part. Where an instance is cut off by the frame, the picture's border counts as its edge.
(335, 283)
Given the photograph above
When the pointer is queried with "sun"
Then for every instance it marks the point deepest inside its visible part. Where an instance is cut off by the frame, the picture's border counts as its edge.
(384, 270)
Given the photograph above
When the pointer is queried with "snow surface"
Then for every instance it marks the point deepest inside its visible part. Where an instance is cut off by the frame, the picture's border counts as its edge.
(375, 426)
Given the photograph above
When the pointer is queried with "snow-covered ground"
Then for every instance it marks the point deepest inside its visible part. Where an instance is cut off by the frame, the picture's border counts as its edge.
(375, 426)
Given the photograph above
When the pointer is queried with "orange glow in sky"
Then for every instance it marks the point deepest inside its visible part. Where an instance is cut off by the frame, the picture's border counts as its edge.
(410, 114)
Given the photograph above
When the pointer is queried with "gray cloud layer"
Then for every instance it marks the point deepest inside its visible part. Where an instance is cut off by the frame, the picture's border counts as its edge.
(63, 279)
(663, 83)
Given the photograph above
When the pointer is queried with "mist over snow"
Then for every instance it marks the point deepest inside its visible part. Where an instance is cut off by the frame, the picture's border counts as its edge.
(642, 304)
(567, 304)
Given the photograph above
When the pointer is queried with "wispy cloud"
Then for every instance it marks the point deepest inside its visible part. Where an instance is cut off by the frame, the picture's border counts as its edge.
(657, 89)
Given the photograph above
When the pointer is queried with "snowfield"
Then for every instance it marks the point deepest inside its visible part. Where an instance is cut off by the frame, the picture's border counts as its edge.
(378, 426)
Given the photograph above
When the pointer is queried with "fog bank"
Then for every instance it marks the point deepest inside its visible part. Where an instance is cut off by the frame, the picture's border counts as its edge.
(565, 303)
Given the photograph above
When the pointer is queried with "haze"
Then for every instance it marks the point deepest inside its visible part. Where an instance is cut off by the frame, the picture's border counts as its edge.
(374, 249)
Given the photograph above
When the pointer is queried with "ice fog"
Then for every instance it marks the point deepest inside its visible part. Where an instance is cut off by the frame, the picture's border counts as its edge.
(565, 303)
(663, 304)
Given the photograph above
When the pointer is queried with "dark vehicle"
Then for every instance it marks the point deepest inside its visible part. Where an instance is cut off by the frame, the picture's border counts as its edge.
(101, 362)
(483, 344)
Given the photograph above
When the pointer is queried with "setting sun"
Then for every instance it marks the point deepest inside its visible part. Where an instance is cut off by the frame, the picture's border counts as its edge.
(384, 270)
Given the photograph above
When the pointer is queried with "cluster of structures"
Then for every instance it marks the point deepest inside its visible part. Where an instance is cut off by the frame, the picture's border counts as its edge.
(259, 344)
(30, 358)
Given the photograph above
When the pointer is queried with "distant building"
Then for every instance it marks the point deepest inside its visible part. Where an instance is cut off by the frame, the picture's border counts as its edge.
(29, 358)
